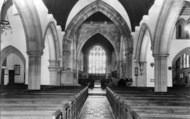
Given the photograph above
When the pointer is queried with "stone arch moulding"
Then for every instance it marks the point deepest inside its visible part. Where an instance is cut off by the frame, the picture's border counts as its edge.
(31, 25)
(52, 27)
(166, 26)
(6, 5)
(186, 50)
(114, 3)
(143, 30)
(99, 6)
(93, 32)
(10, 49)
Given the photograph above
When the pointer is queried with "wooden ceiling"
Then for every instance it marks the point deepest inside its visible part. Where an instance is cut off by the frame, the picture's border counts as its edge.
(135, 9)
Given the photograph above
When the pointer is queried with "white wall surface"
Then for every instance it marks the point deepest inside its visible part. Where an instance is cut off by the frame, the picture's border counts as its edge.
(45, 75)
(15, 37)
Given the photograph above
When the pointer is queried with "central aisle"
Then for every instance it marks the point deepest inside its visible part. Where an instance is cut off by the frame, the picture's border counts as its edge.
(96, 106)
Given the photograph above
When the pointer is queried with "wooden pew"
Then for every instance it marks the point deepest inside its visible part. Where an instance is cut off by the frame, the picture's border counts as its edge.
(150, 105)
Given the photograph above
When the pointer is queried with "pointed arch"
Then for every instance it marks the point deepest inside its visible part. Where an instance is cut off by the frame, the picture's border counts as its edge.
(31, 24)
(99, 6)
(11, 49)
(144, 28)
(95, 31)
(51, 26)
(113, 3)
(166, 25)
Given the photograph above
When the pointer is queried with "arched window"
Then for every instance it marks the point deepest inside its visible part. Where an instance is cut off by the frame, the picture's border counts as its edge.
(97, 60)
(180, 29)
(183, 62)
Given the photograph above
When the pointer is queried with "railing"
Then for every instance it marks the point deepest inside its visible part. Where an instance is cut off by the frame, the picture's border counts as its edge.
(72, 109)
(119, 108)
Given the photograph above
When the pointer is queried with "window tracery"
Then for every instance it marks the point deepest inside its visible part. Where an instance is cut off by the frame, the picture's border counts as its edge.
(97, 60)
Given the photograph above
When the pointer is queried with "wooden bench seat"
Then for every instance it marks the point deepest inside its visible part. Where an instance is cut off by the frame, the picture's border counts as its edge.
(33, 101)
(162, 109)
(163, 116)
(154, 98)
(156, 103)
(38, 96)
(41, 104)
(150, 105)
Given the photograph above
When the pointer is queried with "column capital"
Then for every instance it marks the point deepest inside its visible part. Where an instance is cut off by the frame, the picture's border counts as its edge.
(35, 53)
(160, 56)
(142, 62)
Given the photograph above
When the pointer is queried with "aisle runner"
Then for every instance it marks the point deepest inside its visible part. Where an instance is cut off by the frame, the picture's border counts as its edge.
(96, 107)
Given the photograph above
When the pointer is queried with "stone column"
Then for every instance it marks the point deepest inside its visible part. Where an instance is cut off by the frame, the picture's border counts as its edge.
(34, 71)
(0, 53)
(142, 80)
(128, 64)
(120, 57)
(66, 56)
(160, 74)
(85, 63)
(54, 70)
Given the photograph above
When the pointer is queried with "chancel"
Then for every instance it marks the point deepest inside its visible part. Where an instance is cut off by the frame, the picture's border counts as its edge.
(95, 59)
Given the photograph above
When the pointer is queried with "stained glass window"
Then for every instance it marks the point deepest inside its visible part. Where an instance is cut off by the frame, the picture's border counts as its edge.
(97, 60)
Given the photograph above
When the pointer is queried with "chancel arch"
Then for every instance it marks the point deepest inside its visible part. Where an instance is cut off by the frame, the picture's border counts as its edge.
(70, 38)
(113, 3)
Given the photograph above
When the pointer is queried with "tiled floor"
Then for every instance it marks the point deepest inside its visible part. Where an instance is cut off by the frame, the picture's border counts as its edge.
(96, 107)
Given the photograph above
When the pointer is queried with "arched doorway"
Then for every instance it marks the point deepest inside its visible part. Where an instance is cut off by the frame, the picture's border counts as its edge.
(13, 66)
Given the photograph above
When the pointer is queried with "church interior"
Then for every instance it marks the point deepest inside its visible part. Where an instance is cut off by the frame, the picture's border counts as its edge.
(95, 59)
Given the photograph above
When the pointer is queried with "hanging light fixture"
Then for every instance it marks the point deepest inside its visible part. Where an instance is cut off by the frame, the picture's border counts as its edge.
(4, 24)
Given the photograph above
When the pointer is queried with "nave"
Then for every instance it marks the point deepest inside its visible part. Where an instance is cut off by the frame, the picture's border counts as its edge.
(52, 51)
(95, 103)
